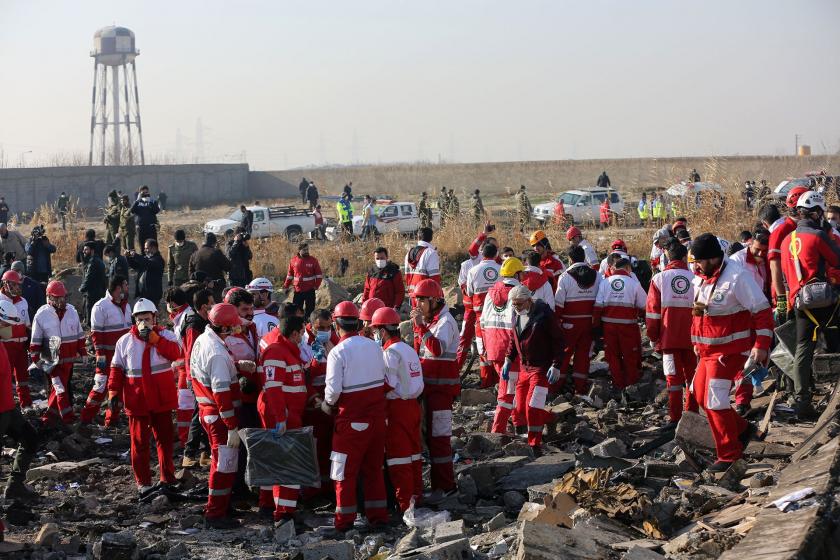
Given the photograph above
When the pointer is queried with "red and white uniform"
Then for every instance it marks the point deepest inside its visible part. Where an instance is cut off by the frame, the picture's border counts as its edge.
(535, 279)
(16, 347)
(282, 400)
(109, 321)
(421, 262)
(481, 278)
(497, 318)
(403, 445)
(48, 323)
(574, 302)
(759, 269)
(304, 274)
(779, 230)
(619, 301)
(668, 319)
(436, 344)
(141, 375)
(322, 424)
(264, 322)
(553, 266)
(356, 387)
(186, 398)
(737, 318)
(213, 372)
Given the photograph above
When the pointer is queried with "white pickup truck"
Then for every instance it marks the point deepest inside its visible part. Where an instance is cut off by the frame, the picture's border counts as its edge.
(581, 205)
(401, 217)
(292, 222)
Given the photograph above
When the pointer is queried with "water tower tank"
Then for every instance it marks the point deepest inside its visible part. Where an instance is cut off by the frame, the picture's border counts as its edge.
(114, 46)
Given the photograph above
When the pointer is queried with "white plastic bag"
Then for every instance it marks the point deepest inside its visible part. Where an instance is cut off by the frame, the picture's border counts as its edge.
(228, 459)
(424, 517)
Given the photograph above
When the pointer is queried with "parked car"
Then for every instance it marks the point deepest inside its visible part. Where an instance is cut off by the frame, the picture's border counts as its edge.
(292, 222)
(581, 205)
(401, 217)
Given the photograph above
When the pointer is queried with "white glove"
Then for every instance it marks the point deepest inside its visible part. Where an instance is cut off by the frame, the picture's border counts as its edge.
(326, 408)
(233, 439)
(553, 374)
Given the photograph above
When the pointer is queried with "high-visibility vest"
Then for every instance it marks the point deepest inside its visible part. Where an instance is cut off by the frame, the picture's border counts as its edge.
(643, 210)
(658, 209)
(345, 212)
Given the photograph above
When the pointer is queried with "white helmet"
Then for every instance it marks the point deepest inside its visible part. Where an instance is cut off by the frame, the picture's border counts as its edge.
(9, 313)
(260, 284)
(811, 200)
(143, 305)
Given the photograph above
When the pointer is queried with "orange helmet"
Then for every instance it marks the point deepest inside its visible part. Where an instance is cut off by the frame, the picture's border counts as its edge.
(428, 288)
(346, 310)
(224, 315)
(794, 194)
(369, 307)
(573, 232)
(12, 276)
(56, 289)
(536, 237)
(385, 316)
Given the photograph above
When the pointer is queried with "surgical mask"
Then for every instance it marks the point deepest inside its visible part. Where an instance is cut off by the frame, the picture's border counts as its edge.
(377, 338)
(380, 263)
(522, 312)
(145, 198)
(322, 336)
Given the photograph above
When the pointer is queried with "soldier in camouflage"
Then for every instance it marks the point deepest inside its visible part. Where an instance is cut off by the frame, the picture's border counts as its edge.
(454, 206)
(112, 217)
(477, 207)
(524, 209)
(127, 225)
(424, 211)
(178, 268)
(443, 205)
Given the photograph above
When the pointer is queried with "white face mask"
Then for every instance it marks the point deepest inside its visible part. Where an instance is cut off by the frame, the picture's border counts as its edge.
(380, 263)
(522, 312)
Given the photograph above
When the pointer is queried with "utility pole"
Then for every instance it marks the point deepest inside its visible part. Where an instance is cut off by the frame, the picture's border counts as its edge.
(796, 149)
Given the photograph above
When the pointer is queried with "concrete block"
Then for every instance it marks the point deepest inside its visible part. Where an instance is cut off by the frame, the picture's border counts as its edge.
(694, 429)
(476, 397)
(452, 550)
(612, 447)
(485, 474)
(497, 522)
(639, 553)
(337, 550)
(449, 531)
(545, 469)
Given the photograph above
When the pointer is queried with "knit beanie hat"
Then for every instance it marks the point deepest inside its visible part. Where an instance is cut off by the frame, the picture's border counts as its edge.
(706, 246)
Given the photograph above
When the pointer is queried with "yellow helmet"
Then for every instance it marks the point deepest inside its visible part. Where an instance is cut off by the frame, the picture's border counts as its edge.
(510, 267)
(536, 237)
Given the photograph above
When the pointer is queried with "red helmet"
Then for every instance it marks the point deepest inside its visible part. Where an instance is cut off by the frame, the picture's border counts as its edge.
(56, 289)
(794, 194)
(224, 315)
(385, 316)
(428, 288)
(619, 245)
(369, 307)
(346, 310)
(230, 293)
(679, 224)
(573, 232)
(12, 276)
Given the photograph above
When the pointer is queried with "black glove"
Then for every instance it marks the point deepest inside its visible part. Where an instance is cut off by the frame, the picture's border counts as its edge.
(597, 332)
(246, 386)
(114, 404)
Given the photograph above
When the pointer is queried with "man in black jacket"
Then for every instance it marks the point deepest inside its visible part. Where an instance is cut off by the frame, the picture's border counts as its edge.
(32, 291)
(98, 246)
(94, 280)
(304, 184)
(117, 264)
(240, 261)
(213, 262)
(146, 211)
(150, 267)
(246, 222)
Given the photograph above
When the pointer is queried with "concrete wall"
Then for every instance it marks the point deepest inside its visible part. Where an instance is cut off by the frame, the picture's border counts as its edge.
(628, 175)
(196, 185)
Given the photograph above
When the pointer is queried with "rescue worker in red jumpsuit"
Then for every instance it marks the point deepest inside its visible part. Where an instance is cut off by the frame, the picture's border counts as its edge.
(549, 261)
(436, 341)
(12, 423)
(18, 342)
(574, 301)
(537, 342)
(731, 322)
(283, 399)
(176, 304)
(670, 300)
(110, 319)
(810, 254)
(404, 378)
(384, 281)
(366, 312)
(422, 262)
(620, 301)
(141, 379)
(779, 230)
(497, 326)
(57, 318)
(305, 277)
(356, 391)
(537, 280)
(213, 371)
(481, 278)
(468, 323)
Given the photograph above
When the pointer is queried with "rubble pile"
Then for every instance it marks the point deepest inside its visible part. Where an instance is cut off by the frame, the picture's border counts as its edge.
(614, 481)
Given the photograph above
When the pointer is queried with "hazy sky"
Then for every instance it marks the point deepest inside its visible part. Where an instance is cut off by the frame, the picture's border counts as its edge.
(299, 83)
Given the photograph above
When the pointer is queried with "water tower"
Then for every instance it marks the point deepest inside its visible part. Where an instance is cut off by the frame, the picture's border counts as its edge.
(114, 50)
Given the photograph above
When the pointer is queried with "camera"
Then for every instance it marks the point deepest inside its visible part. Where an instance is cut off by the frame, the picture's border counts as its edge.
(38, 232)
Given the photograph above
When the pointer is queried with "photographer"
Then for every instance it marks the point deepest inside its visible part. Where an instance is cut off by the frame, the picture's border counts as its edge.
(240, 260)
(39, 249)
(150, 266)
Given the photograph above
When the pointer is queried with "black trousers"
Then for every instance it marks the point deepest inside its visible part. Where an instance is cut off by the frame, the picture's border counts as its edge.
(805, 344)
(144, 233)
(197, 438)
(307, 301)
(15, 426)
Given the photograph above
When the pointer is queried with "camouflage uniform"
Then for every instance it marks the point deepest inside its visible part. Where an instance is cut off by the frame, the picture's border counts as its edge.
(454, 206)
(524, 209)
(424, 212)
(477, 207)
(443, 206)
(127, 226)
(178, 267)
(112, 217)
